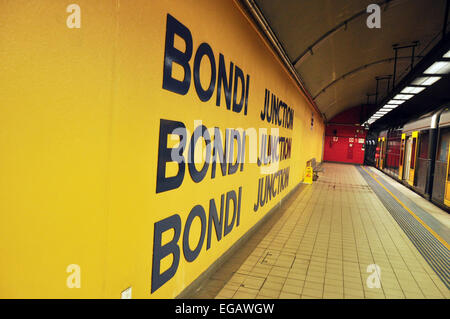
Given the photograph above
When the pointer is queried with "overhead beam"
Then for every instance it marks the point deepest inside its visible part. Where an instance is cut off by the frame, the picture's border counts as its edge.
(362, 67)
(333, 30)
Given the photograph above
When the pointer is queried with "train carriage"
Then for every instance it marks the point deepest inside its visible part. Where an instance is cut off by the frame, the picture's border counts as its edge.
(417, 155)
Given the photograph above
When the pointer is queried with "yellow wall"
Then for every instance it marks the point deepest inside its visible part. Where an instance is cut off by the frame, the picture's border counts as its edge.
(80, 114)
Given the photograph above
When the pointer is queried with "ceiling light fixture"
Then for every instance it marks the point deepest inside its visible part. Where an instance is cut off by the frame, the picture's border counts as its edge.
(413, 89)
(403, 96)
(397, 102)
(426, 80)
(439, 67)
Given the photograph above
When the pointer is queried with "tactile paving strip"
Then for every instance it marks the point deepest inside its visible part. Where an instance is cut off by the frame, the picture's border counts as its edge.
(434, 252)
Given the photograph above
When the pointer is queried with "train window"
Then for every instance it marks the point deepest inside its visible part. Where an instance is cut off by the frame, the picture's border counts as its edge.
(423, 145)
(443, 146)
(413, 153)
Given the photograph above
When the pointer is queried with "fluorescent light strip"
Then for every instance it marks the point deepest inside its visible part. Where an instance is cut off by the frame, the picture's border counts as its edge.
(439, 67)
(412, 89)
(403, 96)
(398, 102)
(426, 80)
(447, 55)
(389, 106)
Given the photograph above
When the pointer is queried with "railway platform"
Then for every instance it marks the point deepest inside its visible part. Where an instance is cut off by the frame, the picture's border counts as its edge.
(171, 149)
(354, 233)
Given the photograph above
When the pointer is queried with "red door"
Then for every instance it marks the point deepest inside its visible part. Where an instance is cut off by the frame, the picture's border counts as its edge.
(350, 151)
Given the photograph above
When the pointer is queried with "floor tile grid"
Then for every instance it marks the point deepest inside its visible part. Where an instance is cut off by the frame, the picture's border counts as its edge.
(399, 254)
(412, 266)
(312, 223)
(261, 271)
(249, 250)
(346, 274)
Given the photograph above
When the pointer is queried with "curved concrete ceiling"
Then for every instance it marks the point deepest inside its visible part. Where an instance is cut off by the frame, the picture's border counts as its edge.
(338, 56)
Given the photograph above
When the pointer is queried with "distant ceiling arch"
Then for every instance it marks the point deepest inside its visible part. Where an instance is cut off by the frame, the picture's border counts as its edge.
(362, 67)
(344, 64)
(333, 30)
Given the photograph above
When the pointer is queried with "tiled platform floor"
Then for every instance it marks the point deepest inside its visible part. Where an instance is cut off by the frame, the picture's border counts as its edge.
(320, 246)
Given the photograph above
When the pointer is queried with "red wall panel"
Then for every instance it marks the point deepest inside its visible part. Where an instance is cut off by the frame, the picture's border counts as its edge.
(344, 149)
(345, 139)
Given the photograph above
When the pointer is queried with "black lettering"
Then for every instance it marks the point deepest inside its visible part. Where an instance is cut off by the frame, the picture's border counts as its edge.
(173, 55)
(165, 154)
(231, 196)
(204, 49)
(232, 168)
(222, 80)
(189, 254)
(160, 252)
(218, 152)
(246, 94)
(238, 215)
(256, 205)
(197, 176)
(213, 218)
(263, 112)
(238, 75)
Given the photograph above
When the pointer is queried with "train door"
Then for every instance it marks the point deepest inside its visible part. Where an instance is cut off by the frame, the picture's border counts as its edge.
(382, 152)
(447, 179)
(407, 158)
(412, 166)
(402, 156)
(377, 154)
(441, 170)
